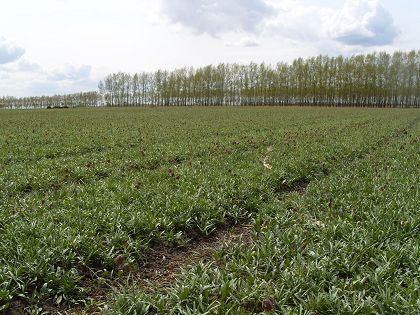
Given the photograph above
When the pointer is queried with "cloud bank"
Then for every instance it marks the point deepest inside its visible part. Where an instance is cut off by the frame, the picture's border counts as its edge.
(364, 23)
(358, 23)
(21, 77)
(9, 52)
(216, 17)
(71, 73)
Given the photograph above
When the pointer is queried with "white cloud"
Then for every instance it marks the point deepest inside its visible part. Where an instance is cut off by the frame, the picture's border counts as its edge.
(22, 78)
(298, 21)
(71, 73)
(22, 65)
(244, 42)
(249, 42)
(4, 75)
(9, 52)
(357, 23)
(363, 23)
(216, 17)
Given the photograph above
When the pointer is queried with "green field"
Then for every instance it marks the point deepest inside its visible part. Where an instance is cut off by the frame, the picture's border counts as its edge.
(332, 196)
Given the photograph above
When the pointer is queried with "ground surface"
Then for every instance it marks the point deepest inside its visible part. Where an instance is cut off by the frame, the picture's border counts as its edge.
(266, 209)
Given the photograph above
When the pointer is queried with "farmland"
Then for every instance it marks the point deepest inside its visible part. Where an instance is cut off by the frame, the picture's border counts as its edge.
(331, 196)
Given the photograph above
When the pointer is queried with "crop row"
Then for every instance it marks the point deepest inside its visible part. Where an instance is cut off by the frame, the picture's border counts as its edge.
(349, 245)
(64, 218)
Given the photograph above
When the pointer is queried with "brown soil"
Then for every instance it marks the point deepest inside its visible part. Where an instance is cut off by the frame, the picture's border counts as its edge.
(159, 269)
(163, 264)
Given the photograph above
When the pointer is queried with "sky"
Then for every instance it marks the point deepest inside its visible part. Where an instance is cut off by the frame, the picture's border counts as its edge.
(63, 46)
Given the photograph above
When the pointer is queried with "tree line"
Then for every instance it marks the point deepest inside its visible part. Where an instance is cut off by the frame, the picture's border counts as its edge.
(370, 80)
(83, 99)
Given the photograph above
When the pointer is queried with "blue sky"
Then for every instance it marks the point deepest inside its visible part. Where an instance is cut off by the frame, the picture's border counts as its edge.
(64, 46)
